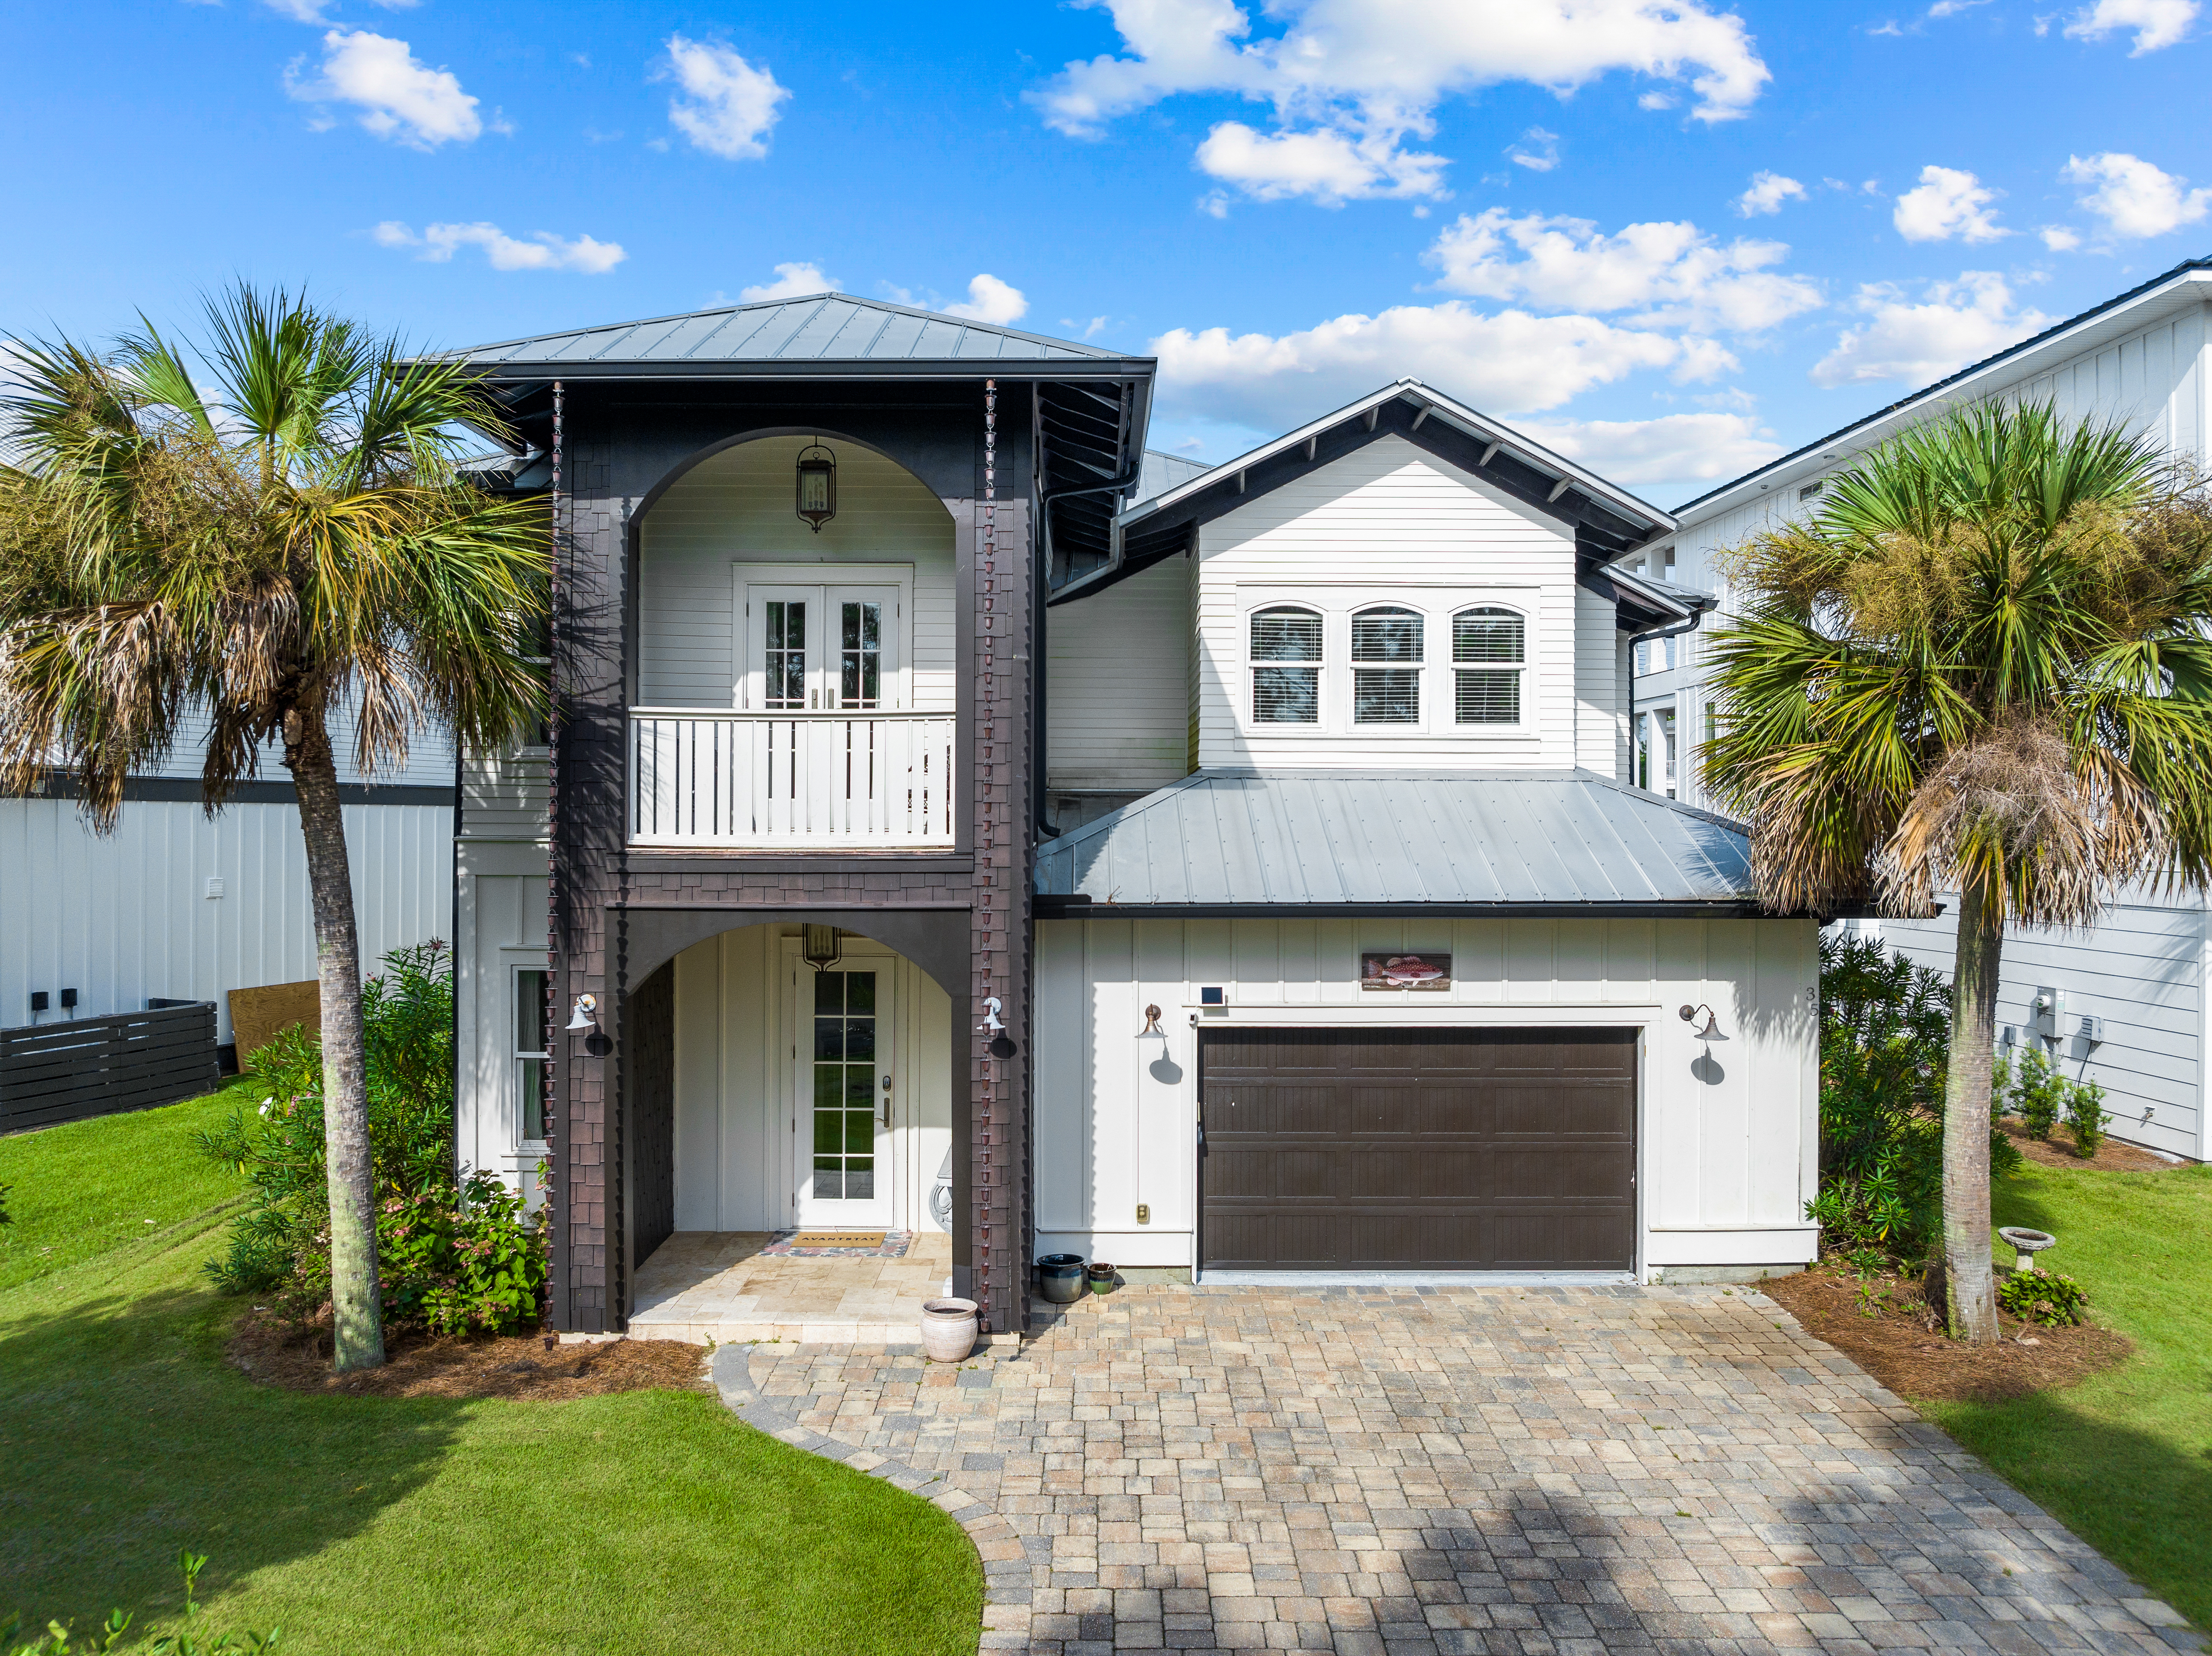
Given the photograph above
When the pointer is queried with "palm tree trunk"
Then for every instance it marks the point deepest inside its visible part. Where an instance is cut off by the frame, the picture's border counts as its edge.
(356, 1301)
(1968, 1285)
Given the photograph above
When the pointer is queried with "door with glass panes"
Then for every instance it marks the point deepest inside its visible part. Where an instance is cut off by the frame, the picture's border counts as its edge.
(821, 649)
(846, 1101)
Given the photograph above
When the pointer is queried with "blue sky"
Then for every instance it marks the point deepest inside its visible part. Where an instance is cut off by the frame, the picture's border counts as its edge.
(1671, 237)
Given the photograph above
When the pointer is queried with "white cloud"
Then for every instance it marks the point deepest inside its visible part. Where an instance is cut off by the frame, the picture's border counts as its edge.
(1537, 150)
(992, 300)
(311, 11)
(1370, 76)
(1332, 167)
(1947, 203)
(1955, 323)
(2156, 22)
(1953, 7)
(1767, 192)
(399, 97)
(544, 250)
(1674, 448)
(2135, 198)
(1505, 362)
(1671, 274)
(726, 106)
(792, 281)
(2059, 239)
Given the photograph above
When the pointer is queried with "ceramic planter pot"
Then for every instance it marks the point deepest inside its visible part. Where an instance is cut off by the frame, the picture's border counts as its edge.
(948, 1329)
(1102, 1277)
(1060, 1278)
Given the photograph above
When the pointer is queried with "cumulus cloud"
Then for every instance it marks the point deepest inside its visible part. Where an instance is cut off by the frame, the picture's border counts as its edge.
(1670, 275)
(992, 300)
(399, 98)
(724, 105)
(2157, 23)
(2135, 198)
(792, 281)
(1505, 362)
(1953, 324)
(1767, 192)
(311, 11)
(1371, 77)
(1329, 165)
(1672, 448)
(1948, 203)
(2059, 239)
(544, 250)
(1537, 150)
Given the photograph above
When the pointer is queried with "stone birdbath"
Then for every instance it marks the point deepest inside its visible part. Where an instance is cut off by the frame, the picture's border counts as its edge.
(2026, 1244)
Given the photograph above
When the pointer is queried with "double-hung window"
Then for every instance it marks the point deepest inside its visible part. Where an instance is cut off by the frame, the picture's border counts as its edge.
(1386, 666)
(534, 1049)
(1489, 651)
(1286, 661)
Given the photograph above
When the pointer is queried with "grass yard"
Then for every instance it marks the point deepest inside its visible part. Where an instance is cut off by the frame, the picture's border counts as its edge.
(645, 1522)
(2124, 1458)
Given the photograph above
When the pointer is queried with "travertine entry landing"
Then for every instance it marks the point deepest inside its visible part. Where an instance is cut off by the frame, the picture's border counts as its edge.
(717, 1285)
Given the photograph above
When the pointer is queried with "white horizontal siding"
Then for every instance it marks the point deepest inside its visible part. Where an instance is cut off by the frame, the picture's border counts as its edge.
(1117, 696)
(737, 507)
(125, 918)
(1390, 514)
(2141, 970)
(1601, 720)
(1727, 1154)
(504, 798)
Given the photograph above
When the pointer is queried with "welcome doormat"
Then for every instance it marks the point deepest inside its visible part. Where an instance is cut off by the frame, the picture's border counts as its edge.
(839, 1244)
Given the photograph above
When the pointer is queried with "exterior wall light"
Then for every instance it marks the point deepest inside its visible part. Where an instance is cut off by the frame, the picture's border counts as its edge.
(823, 948)
(1153, 1026)
(586, 1014)
(817, 485)
(1710, 1029)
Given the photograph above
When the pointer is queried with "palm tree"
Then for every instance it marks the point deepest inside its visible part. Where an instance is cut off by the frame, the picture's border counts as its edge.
(234, 566)
(1982, 667)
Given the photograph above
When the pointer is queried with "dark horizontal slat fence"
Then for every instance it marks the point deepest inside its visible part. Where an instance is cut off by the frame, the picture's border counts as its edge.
(55, 1072)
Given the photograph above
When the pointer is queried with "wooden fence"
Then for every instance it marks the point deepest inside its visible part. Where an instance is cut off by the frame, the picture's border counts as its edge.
(81, 1067)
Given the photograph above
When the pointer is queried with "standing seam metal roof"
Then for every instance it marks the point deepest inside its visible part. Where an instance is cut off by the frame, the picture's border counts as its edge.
(1567, 838)
(818, 328)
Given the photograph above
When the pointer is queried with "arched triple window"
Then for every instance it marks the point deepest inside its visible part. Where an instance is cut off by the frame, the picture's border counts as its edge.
(1286, 661)
(1386, 665)
(1489, 654)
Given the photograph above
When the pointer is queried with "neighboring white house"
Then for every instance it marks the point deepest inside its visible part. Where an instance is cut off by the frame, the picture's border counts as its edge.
(177, 904)
(2146, 971)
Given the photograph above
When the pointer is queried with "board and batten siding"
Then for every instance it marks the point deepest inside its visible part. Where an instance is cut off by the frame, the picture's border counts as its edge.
(1728, 1135)
(736, 507)
(128, 916)
(502, 926)
(1118, 686)
(1388, 516)
(2141, 969)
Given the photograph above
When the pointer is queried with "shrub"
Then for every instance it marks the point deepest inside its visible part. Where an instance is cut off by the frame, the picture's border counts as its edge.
(2052, 1300)
(2037, 1093)
(60, 1639)
(452, 1256)
(2086, 1115)
(1885, 1042)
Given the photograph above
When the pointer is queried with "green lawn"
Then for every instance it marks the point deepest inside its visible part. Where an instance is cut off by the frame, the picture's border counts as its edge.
(2124, 1459)
(646, 1522)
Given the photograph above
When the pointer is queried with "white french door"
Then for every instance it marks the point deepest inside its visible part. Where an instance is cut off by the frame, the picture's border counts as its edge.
(821, 649)
(845, 1100)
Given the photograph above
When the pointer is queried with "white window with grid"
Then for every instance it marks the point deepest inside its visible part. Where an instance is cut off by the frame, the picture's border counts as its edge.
(1286, 644)
(1489, 652)
(1386, 644)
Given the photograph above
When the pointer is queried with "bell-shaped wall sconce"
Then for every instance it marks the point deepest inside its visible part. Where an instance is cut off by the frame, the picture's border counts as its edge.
(1705, 1025)
(817, 485)
(1151, 1028)
(586, 1013)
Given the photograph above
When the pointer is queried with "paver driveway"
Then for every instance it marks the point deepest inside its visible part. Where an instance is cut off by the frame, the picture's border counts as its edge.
(1437, 1471)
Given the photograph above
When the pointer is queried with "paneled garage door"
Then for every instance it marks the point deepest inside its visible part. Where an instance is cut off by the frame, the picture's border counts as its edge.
(1418, 1150)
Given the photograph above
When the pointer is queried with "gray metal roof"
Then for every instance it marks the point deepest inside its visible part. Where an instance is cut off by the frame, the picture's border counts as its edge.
(820, 329)
(1554, 839)
(1163, 471)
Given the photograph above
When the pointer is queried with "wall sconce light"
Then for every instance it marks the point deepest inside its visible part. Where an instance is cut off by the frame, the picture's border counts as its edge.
(823, 948)
(817, 485)
(1153, 1026)
(585, 1015)
(1710, 1030)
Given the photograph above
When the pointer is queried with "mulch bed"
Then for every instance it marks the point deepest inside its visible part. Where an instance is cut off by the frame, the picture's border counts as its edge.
(1900, 1346)
(533, 1367)
(2112, 1157)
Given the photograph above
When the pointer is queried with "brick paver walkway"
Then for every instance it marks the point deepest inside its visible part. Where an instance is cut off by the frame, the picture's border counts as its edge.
(1453, 1470)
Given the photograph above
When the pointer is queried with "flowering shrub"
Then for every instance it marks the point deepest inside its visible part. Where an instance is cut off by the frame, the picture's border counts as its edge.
(460, 1267)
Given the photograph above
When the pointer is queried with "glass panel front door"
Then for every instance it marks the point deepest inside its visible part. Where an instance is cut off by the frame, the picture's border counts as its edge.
(821, 649)
(846, 1103)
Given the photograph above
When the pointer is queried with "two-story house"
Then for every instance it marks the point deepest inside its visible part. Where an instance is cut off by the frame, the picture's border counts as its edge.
(956, 821)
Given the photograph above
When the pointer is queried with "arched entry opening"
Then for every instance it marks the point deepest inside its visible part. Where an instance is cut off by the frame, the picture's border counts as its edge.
(774, 1100)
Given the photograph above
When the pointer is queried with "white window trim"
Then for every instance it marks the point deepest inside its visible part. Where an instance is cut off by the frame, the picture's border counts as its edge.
(1248, 690)
(1454, 666)
(515, 1057)
(744, 692)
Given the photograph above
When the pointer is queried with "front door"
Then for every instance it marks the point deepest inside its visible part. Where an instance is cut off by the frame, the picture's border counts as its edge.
(846, 1099)
(821, 649)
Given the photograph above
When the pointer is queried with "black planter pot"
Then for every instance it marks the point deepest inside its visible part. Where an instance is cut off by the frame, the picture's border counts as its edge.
(1060, 1278)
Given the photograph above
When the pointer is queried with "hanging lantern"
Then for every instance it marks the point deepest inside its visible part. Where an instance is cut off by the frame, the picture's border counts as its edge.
(817, 485)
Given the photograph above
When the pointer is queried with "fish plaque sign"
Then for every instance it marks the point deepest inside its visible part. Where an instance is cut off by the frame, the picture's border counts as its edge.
(1387, 971)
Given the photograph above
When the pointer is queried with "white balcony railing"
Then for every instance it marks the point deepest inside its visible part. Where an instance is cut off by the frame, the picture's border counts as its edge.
(790, 780)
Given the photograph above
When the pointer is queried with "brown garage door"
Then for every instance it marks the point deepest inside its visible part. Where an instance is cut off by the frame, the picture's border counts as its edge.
(1418, 1150)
